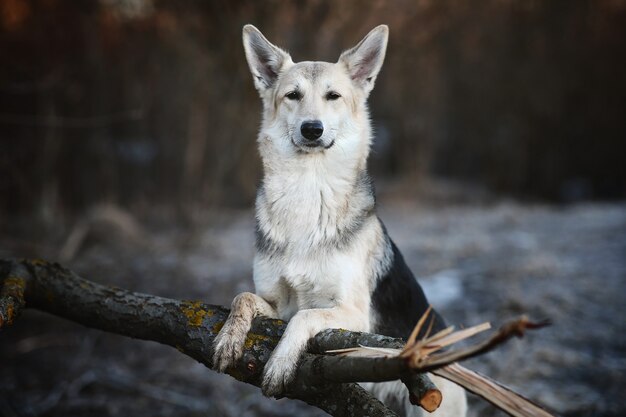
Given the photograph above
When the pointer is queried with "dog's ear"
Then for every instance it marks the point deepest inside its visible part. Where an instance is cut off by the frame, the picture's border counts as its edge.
(265, 59)
(366, 58)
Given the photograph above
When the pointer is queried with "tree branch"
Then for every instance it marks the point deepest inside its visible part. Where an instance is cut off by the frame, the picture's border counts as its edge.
(421, 389)
(189, 326)
(325, 381)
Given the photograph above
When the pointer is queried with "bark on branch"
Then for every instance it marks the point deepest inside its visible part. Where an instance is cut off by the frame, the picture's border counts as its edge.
(324, 381)
(189, 326)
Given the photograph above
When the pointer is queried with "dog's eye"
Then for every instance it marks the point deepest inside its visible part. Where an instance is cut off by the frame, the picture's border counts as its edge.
(332, 95)
(293, 95)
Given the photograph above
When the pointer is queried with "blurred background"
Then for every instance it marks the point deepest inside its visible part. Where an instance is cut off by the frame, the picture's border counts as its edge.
(141, 102)
(127, 151)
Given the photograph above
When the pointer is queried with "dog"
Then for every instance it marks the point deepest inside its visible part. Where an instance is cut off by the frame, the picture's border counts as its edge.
(323, 257)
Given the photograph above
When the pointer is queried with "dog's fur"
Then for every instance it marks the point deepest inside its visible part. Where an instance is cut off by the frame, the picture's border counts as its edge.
(323, 259)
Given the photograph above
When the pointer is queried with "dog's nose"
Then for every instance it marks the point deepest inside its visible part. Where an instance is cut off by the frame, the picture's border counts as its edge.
(312, 129)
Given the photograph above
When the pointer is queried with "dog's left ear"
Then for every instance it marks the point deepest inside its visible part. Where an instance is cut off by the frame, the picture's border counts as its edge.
(366, 58)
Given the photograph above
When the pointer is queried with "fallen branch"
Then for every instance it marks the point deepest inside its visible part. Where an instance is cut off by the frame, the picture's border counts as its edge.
(189, 326)
(421, 389)
(325, 381)
(420, 356)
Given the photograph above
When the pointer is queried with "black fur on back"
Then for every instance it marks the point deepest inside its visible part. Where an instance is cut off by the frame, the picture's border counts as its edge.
(400, 301)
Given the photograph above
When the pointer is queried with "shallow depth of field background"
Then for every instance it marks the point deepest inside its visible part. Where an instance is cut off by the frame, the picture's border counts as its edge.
(127, 151)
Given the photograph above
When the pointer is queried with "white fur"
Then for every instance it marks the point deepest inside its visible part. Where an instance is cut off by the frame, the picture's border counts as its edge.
(309, 197)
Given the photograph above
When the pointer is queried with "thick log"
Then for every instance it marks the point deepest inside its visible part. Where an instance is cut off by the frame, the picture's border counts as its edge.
(189, 326)
(324, 381)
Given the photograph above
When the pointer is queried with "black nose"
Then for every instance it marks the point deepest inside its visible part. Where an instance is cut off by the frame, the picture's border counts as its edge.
(312, 129)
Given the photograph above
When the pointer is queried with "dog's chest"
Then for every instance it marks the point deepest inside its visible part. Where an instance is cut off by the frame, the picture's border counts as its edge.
(303, 216)
(305, 210)
(295, 283)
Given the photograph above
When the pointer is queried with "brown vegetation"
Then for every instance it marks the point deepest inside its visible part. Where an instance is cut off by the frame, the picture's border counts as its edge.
(142, 102)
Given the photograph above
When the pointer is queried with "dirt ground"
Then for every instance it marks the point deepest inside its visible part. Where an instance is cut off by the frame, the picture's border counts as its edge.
(487, 262)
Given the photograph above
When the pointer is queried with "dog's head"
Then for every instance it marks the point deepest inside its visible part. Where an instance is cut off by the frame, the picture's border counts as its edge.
(312, 106)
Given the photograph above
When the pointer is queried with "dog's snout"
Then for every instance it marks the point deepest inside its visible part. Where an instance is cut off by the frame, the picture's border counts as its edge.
(312, 129)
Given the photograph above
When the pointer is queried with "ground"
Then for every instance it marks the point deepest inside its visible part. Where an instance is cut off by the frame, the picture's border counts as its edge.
(477, 262)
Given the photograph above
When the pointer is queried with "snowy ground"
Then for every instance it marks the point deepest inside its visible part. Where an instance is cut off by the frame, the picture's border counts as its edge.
(477, 263)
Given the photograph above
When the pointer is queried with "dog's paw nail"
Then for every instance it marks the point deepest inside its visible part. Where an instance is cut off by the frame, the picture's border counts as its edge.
(272, 387)
(219, 364)
(277, 376)
(227, 350)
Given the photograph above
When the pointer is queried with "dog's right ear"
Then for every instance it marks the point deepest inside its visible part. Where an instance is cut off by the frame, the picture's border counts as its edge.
(264, 59)
(364, 61)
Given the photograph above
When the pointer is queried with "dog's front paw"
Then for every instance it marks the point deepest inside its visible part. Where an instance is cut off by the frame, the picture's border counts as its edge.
(278, 374)
(228, 347)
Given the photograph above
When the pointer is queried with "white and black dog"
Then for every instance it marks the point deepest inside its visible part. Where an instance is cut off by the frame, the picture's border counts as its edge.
(323, 257)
